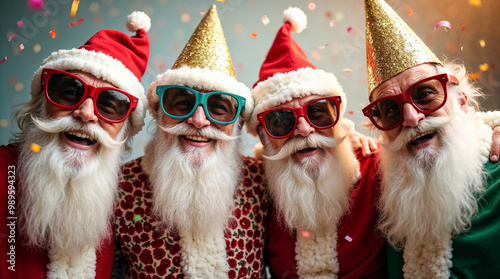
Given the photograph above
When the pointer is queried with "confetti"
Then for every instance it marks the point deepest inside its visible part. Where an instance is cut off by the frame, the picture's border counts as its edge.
(482, 43)
(35, 147)
(18, 87)
(203, 13)
(3, 60)
(20, 23)
(185, 17)
(315, 55)
(74, 8)
(311, 6)
(462, 26)
(222, 1)
(4, 123)
(12, 37)
(332, 23)
(21, 47)
(35, 4)
(410, 12)
(339, 16)
(443, 23)
(349, 29)
(322, 47)
(475, 3)
(37, 48)
(254, 35)
(306, 234)
(350, 112)
(53, 33)
(265, 20)
(76, 22)
(328, 14)
(137, 218)
(484, 67)
(347, 72)
(474, 76)
(348, 238)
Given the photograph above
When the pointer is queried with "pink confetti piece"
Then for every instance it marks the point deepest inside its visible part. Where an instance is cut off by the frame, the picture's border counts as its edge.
(20, 23)
(349, 29)
(444, 24)
(332, 23)
(12, 37)
(306, 234)
(348, 238)
(35, 4)
(462, 26)
(3, 60)
(76, 22)
(21, 47)
(347, 72)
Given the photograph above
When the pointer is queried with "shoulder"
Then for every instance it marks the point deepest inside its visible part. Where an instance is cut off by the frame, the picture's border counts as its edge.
(132, 175)
(8, 153)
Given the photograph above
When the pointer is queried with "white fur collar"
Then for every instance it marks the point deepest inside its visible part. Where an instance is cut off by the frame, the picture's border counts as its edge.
(61, 266)
(316, 254)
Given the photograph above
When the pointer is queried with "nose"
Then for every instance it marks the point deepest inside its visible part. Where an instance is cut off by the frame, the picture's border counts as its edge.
(198, 118)
(303, 128)
(411, 116)
(85, 112)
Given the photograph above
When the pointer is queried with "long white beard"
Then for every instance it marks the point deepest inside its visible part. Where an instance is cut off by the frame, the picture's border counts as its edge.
(430, 193)
(66, 194)
(311, 195)
(193, 191)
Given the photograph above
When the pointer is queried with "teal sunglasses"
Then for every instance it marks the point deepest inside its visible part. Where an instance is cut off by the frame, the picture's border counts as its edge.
(180, 102)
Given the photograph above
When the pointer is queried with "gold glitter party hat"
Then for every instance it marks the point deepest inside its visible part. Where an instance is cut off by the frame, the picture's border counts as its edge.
(391, 46)
(207, 47)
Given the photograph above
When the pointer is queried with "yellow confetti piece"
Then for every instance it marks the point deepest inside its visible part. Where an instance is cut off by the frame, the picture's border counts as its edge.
(21, 47)
(35, 147)
(53, 33)
(475, 3)
(185, 17)
(306, 234)
(4, 123)
(484, 67)
(253, 34)
(474, 76)
(410, 12)
(482, 43)
(37, 48)
(19, 86)
(315, 55)
(265, 20)
(74, 8)
(221, 1)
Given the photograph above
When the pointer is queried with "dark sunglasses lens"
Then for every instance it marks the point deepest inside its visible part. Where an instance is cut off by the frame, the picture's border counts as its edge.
(428, 95)
(386, 113)
(279, 122)
(113, 105)
(178, 101)
(64, 90)
(222, 107)
(322, 113)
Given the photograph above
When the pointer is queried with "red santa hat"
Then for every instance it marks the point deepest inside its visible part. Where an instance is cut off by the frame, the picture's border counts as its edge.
(287, 73)
(110, 55)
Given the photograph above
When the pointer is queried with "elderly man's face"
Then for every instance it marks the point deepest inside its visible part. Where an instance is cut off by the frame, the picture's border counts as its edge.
(412, 117)
(84, 113)
(303, 129)
(198, 120)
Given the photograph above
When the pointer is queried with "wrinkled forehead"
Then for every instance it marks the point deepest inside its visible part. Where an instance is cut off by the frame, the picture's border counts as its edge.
(404, 80)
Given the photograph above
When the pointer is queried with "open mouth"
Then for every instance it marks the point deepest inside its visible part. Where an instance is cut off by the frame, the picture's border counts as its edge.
(197, 138)
(308, 149)
(80, 138)
(423, 138)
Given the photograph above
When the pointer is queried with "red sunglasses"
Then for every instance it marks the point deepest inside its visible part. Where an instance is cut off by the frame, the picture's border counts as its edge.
(426, 96)
(68, 91)
(320, 113)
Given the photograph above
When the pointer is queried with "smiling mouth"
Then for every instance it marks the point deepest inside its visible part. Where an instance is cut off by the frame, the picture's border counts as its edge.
(422, 138)
(307, 149)
(197, 138)
(80, 138)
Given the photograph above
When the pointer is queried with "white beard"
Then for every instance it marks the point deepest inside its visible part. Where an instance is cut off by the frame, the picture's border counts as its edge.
(313, 194)
(193, 191)
(67, 195)
(429, 194)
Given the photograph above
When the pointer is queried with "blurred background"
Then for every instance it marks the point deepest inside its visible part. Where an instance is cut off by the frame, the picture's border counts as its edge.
(334, 41)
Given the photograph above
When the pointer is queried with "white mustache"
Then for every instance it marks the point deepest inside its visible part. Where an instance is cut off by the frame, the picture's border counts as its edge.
(67, 123)
(185, 129)
(298, 143)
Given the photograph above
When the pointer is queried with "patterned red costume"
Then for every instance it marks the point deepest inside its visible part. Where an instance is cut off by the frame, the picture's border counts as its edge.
(155, 253)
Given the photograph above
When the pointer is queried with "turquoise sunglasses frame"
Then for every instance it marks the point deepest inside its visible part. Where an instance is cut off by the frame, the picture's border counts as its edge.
(200, 99)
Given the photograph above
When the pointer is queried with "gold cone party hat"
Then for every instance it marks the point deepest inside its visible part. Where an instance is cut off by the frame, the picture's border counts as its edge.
(207, 47)
(391, 46)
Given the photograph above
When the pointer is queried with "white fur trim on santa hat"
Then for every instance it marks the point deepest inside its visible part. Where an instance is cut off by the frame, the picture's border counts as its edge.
(138, 20)
(296, 17)
(283, 87)
(101, 66)
(201, 78)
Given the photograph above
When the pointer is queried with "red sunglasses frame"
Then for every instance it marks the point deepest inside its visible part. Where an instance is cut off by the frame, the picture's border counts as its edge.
(405, 97)
(298, 112)
(89, 92)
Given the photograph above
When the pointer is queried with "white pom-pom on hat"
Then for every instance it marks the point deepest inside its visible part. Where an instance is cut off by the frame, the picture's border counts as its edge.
(138, 20)
(296, 17)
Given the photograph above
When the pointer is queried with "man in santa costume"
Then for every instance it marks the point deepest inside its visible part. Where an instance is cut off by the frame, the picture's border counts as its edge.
(193, 206)
(59, 177)
(440, 195)
(322, 223)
